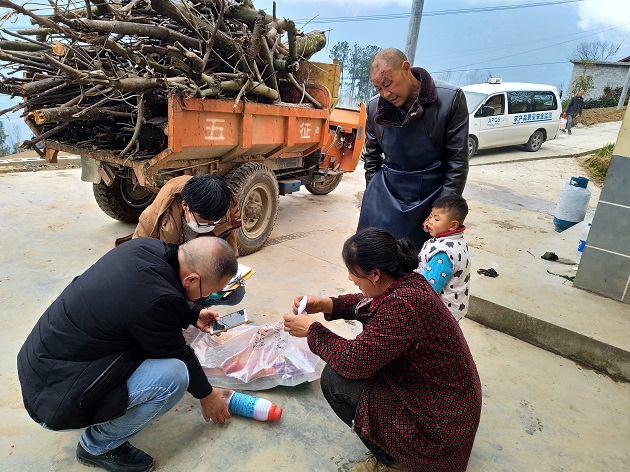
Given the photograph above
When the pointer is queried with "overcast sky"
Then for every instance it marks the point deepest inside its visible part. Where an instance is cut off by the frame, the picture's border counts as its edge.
(520, 44)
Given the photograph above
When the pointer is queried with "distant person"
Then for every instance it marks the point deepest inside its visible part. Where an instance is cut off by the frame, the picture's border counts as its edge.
(109, 354)
(444, 258)
(407, 385)
(187, 207)
(574, 108)
(416, 146)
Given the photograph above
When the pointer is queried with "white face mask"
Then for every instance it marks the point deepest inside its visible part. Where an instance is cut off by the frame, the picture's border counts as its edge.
(195, 226)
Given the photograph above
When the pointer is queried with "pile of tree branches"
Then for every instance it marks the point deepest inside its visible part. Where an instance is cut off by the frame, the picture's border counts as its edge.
(99, 73)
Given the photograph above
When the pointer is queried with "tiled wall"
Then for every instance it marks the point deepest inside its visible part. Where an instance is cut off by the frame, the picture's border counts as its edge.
(605, 264)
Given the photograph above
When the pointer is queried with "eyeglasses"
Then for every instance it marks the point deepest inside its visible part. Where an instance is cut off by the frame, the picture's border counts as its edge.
(206, 225)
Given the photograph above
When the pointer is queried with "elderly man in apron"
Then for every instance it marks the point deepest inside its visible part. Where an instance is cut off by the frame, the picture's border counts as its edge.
(416, 146)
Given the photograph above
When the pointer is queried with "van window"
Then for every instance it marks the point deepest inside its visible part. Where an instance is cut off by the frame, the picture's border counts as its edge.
(473, 99)
(545, 101)
(523, 102)
(520, 102)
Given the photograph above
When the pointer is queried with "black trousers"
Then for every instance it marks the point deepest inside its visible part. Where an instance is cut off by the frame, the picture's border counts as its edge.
(343, 396)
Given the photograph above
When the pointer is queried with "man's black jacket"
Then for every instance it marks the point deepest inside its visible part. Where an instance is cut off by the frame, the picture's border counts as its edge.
(128, 307)
(576, 104)
(443, 109)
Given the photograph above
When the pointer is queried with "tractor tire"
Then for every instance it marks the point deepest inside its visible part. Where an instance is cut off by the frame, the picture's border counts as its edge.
(325, 185)
(535, 141)
(121, 201)
(256, 189)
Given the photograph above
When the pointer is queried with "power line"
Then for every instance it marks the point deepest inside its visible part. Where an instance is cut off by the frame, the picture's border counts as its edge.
(500, 67)
(395, 16)
(579, 34)
(534, 50)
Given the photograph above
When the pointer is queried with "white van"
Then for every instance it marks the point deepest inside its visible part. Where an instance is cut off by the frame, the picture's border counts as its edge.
(509, 113)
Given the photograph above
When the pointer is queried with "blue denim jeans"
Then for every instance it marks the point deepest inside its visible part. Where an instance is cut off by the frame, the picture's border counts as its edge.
(569, 122)
(154, 388)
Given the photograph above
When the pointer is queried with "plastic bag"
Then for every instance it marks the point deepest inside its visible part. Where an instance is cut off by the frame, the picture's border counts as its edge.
(252, 357)
(563, 121)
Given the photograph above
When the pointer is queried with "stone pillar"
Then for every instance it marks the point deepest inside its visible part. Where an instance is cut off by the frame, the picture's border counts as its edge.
(605, 264)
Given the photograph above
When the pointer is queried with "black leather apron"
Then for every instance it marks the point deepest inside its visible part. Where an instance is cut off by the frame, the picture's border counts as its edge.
(399, 196)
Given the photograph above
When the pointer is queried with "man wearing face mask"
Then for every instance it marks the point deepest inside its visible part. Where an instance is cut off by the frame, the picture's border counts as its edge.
(187, 207)
(109, 354)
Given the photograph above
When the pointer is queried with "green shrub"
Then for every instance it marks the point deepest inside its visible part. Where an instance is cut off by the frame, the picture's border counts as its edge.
(598, 164)
(601, 102)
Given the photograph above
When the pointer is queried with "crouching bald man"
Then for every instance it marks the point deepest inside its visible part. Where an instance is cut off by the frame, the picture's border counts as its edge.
(109, 353)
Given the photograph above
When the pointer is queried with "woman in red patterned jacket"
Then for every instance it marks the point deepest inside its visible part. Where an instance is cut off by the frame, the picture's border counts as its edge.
(407, 385)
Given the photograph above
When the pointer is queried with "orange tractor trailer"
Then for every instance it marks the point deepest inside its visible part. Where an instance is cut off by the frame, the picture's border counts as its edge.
(262, 150)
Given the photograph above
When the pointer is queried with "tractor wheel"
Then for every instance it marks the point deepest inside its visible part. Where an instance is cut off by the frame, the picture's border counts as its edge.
(121, 200)
(324, 185)
(256, 189)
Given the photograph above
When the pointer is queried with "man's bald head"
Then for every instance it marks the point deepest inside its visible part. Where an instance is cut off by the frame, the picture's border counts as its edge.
(210, 257)
(391, 57)
(393, 79)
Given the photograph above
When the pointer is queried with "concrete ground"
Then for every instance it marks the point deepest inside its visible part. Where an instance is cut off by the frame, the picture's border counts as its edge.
(541, 412)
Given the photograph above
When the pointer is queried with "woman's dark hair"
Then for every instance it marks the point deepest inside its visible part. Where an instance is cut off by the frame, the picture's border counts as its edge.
(208, 195)
(377, 248)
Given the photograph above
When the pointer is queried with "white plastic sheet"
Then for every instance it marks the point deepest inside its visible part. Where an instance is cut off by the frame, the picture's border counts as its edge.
(252, 357)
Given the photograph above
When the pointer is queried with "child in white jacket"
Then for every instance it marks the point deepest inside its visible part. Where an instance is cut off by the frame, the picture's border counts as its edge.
(444, 258)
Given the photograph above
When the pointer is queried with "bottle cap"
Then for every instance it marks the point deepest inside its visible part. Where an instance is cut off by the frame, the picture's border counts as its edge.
(275, 412)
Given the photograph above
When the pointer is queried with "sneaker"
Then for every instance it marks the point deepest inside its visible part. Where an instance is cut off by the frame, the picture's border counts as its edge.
(125, 458)
(563, 130)
(371, 464)
(367, 465)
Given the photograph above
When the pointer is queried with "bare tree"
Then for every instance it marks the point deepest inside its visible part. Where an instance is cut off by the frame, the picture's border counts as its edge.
(446, 76)
(14, 138)
(594, 51)
(560, 87)
(475, 76)
(4, 148)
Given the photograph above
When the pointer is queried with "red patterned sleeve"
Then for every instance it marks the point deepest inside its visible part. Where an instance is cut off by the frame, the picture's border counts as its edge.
(394, 330)
(343, 307)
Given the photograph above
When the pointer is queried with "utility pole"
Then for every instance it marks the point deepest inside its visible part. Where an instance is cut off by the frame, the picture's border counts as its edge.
(622, 99)
(414, 29)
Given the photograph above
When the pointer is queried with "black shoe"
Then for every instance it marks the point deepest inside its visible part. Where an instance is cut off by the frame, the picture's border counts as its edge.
(125, 458)
(488, 272)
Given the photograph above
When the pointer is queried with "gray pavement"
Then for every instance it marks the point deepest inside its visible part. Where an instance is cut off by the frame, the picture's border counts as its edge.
(31, 158)
(541, 411)
(583, 141)
(514, 196)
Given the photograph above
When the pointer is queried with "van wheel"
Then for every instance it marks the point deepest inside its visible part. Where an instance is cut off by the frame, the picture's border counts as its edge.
(122, 200)
(256, 189)
(472, 146)
(535, 141)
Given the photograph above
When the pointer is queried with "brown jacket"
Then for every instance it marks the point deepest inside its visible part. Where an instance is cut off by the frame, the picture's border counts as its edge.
(163, 218)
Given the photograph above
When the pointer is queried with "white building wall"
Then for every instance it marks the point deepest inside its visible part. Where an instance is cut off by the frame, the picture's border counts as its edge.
(605, 74)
